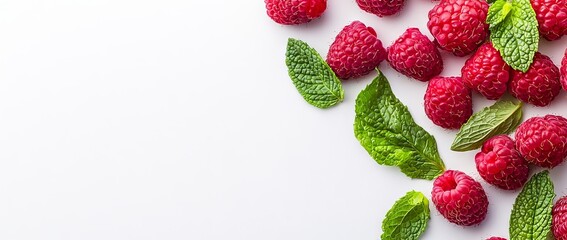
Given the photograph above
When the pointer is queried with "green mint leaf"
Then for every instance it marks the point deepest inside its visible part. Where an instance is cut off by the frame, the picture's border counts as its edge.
(311, 75)
(386, 129)
(407, 219)
(501, 118)
(514, 32)
(531, 214)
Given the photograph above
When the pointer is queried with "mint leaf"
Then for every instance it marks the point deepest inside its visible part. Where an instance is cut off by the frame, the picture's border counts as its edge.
(501, 118)
(514, 32)
(386, 129)
(407, 219)
(531, 214)
(311, 75)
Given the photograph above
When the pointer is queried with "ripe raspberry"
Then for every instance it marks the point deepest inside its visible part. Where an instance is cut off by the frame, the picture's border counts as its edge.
(486, 72)
(500, 164)
(381, 7)
(289, 12)
(496, 238)
(564, 71)
(543, 140)
(559, 222)
(459, 198)
(448, 102)
(356, 51)
(551, 17)
(414, 55)
(459, 26)
(539, 85)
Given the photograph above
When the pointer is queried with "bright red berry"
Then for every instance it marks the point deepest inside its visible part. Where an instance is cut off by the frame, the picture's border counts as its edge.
(486, 72)
(414, 55)
(448, 102)
(564, 71)
(552, 18)
(539, 85)
(500, 164)
(459, 26)
(496, 238)
(381, 7)
(542, 141)
(356, 51)
(559, 222)
(459, 198)
(289, 12)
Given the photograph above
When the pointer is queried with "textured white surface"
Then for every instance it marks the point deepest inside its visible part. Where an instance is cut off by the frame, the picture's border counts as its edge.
(171, 119)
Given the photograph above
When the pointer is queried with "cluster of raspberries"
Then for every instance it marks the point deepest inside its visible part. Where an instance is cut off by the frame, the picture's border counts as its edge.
(459, 27)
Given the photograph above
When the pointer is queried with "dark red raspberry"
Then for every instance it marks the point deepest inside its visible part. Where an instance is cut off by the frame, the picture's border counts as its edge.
(500, 164)
(381, 7)
(289, 12)
(486, 72)
(539, 85)
(459, 26)
(542, 141)
(448, 102)
(459, 198)
(356, 51)
(414, 55)
(559, 223)
(552, 18)
(496, 238)
(564, 71)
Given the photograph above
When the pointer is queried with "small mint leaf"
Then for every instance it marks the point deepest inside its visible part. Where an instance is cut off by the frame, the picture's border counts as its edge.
(311, 75)
(498, 12)
(407, 219)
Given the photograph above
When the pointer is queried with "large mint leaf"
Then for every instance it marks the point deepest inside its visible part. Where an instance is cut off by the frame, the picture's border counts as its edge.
(407, 219)
(311, 75)
(531, 214)
(386, 129)
(501, 118)
(514, 32)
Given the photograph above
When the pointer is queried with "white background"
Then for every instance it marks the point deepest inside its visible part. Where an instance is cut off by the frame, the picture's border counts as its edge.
(171, 119)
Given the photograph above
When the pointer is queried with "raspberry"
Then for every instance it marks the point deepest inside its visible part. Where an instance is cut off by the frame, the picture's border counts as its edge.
(539, 85)
(356, 51)
(381, 7)
(552, 18)
(459, 26)
(496, 238)
(500, 164)
(290, 12)
(414, 55)
(448, 102)
(564, 71)
(543, 140)
(559, 222)
(486, 72)
(459, 198)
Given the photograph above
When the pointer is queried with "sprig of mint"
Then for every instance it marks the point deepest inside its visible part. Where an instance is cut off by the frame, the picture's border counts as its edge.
(311, 75)
(407, 219)
(501, 118)
(531, 214)
(514, 31)
(386, 129)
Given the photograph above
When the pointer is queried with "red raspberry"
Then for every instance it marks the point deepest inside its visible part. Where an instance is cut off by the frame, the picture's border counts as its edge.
(539, 85)
(500, 164)
(459, 198)
(448, 102)
(381, 7)
(552, 18)
(559, 223)
(564, 71)
(486, 72)
(496, 238)
(543, 140)
(459, 26)
(289, 12)
(356, 51)
(414, 55)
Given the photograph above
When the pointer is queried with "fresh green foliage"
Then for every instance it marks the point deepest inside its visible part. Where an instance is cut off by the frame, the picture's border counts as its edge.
(531, 214)
(514, 32)
(386, 129)
(311, 75)
(501, 118)
(407, 219)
